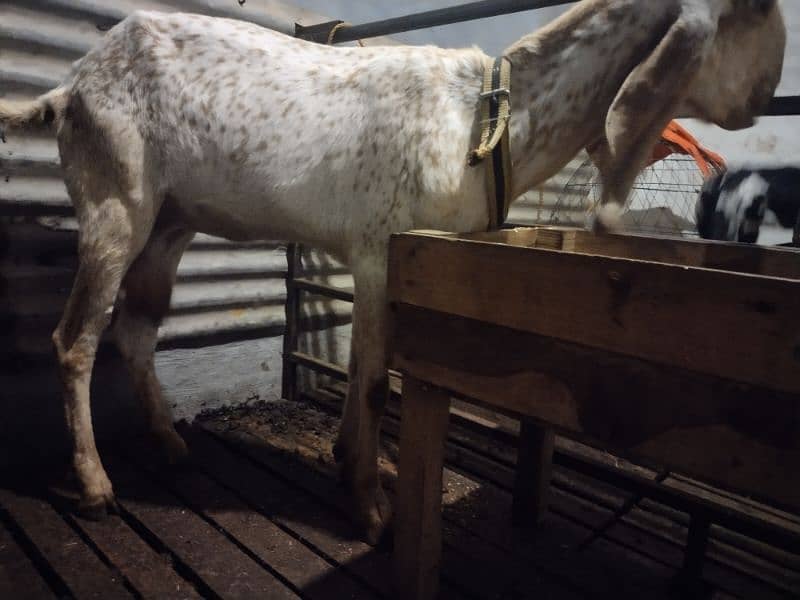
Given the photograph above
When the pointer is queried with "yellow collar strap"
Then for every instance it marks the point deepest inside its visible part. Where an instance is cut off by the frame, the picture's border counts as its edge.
(495, 112)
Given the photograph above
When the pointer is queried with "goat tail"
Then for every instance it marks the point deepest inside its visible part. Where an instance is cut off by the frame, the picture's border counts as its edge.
(40, 112)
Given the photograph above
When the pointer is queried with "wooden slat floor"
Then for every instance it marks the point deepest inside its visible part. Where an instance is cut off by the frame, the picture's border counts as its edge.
(258, 513)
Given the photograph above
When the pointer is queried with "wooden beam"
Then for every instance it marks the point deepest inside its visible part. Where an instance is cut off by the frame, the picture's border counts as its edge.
(533, 473)
(741, 437)
(691, 252)
(292, 310)
(418, 531)
(739, 326)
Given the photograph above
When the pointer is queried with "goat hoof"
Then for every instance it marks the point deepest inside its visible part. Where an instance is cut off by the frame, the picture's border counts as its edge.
(97, 509)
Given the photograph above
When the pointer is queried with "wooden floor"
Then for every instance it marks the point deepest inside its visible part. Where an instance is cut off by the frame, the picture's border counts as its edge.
(259, 514)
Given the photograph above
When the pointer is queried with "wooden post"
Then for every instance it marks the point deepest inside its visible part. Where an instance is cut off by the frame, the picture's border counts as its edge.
(418, 524)
(289, 376)
(532, 478)
(690, 578)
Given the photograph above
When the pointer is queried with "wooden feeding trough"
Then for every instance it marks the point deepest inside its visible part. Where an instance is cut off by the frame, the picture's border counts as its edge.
(681, 353)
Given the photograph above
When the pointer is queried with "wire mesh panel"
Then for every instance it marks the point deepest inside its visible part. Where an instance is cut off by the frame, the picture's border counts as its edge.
(662, 200)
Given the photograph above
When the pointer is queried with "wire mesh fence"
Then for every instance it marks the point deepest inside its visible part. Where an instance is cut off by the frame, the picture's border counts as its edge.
(662, 200)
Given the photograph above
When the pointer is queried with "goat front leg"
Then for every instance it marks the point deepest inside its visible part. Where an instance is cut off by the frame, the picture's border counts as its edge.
(357, 446)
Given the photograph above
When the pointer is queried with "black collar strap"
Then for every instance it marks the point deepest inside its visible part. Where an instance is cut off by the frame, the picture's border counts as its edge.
(495, 113)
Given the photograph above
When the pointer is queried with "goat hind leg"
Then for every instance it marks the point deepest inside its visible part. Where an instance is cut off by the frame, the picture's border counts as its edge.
(105, 250)
(147, 289)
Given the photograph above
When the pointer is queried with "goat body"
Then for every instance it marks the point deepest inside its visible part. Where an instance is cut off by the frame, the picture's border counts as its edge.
(178, 123)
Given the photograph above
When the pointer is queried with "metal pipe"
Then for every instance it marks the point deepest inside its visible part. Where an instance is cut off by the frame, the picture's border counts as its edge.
(322, 289)
(441, 16)
(294, 254)
(783, 106)
(317, 365)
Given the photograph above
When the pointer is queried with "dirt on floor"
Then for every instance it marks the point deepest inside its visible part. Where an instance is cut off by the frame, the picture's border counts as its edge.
(307, 432)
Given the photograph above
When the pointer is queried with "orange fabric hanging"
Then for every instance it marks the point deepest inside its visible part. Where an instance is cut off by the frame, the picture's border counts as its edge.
(676, 139)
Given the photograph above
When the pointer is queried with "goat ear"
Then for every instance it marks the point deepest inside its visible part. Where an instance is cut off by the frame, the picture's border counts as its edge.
(649, 99)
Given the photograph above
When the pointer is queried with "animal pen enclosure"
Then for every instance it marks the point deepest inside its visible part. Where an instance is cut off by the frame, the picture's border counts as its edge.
(257, 497)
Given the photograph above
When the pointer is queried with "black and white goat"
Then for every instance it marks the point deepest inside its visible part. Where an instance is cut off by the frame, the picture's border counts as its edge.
(733, 204)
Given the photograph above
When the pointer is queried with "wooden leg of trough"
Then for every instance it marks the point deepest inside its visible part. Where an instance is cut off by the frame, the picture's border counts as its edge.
(796, 234)
(690, 578)
(532, 479)
(418, 504)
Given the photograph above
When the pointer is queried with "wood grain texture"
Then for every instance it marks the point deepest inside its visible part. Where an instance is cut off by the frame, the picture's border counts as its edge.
(203, 548)
(19, 578)
(326, 529)
(725, 256)
(418, 536)
(739, 326)
(744, 438)
(81, 570)
(150, 573)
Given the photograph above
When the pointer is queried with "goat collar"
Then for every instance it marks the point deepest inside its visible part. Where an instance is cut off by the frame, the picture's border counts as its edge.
(495, 113)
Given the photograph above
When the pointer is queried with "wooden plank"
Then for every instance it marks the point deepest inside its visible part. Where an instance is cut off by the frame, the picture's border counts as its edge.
(746, 567)
(150, 574)
(488, 572)
(477, 506)
(464, 508)
(744, 258)
(649, 529)
(334, 535)
(73, 561)
(558, 550)
(533, 473)
(312, 521)
(758, 510)
(742, 438)
(492, 516)
(296, 563)
(736, 560)
(19, 578)
(219, 564)
(723, 568)
(292, 316)
(702, 320)
(472, 557)
(418, 542)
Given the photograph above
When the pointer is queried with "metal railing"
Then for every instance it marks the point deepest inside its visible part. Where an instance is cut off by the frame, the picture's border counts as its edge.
(702, 512)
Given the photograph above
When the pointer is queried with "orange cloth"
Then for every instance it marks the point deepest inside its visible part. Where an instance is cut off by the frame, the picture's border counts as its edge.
(675, 139)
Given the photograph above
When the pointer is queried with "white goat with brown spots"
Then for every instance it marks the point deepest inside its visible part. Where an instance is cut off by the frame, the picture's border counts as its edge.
(179, 123)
